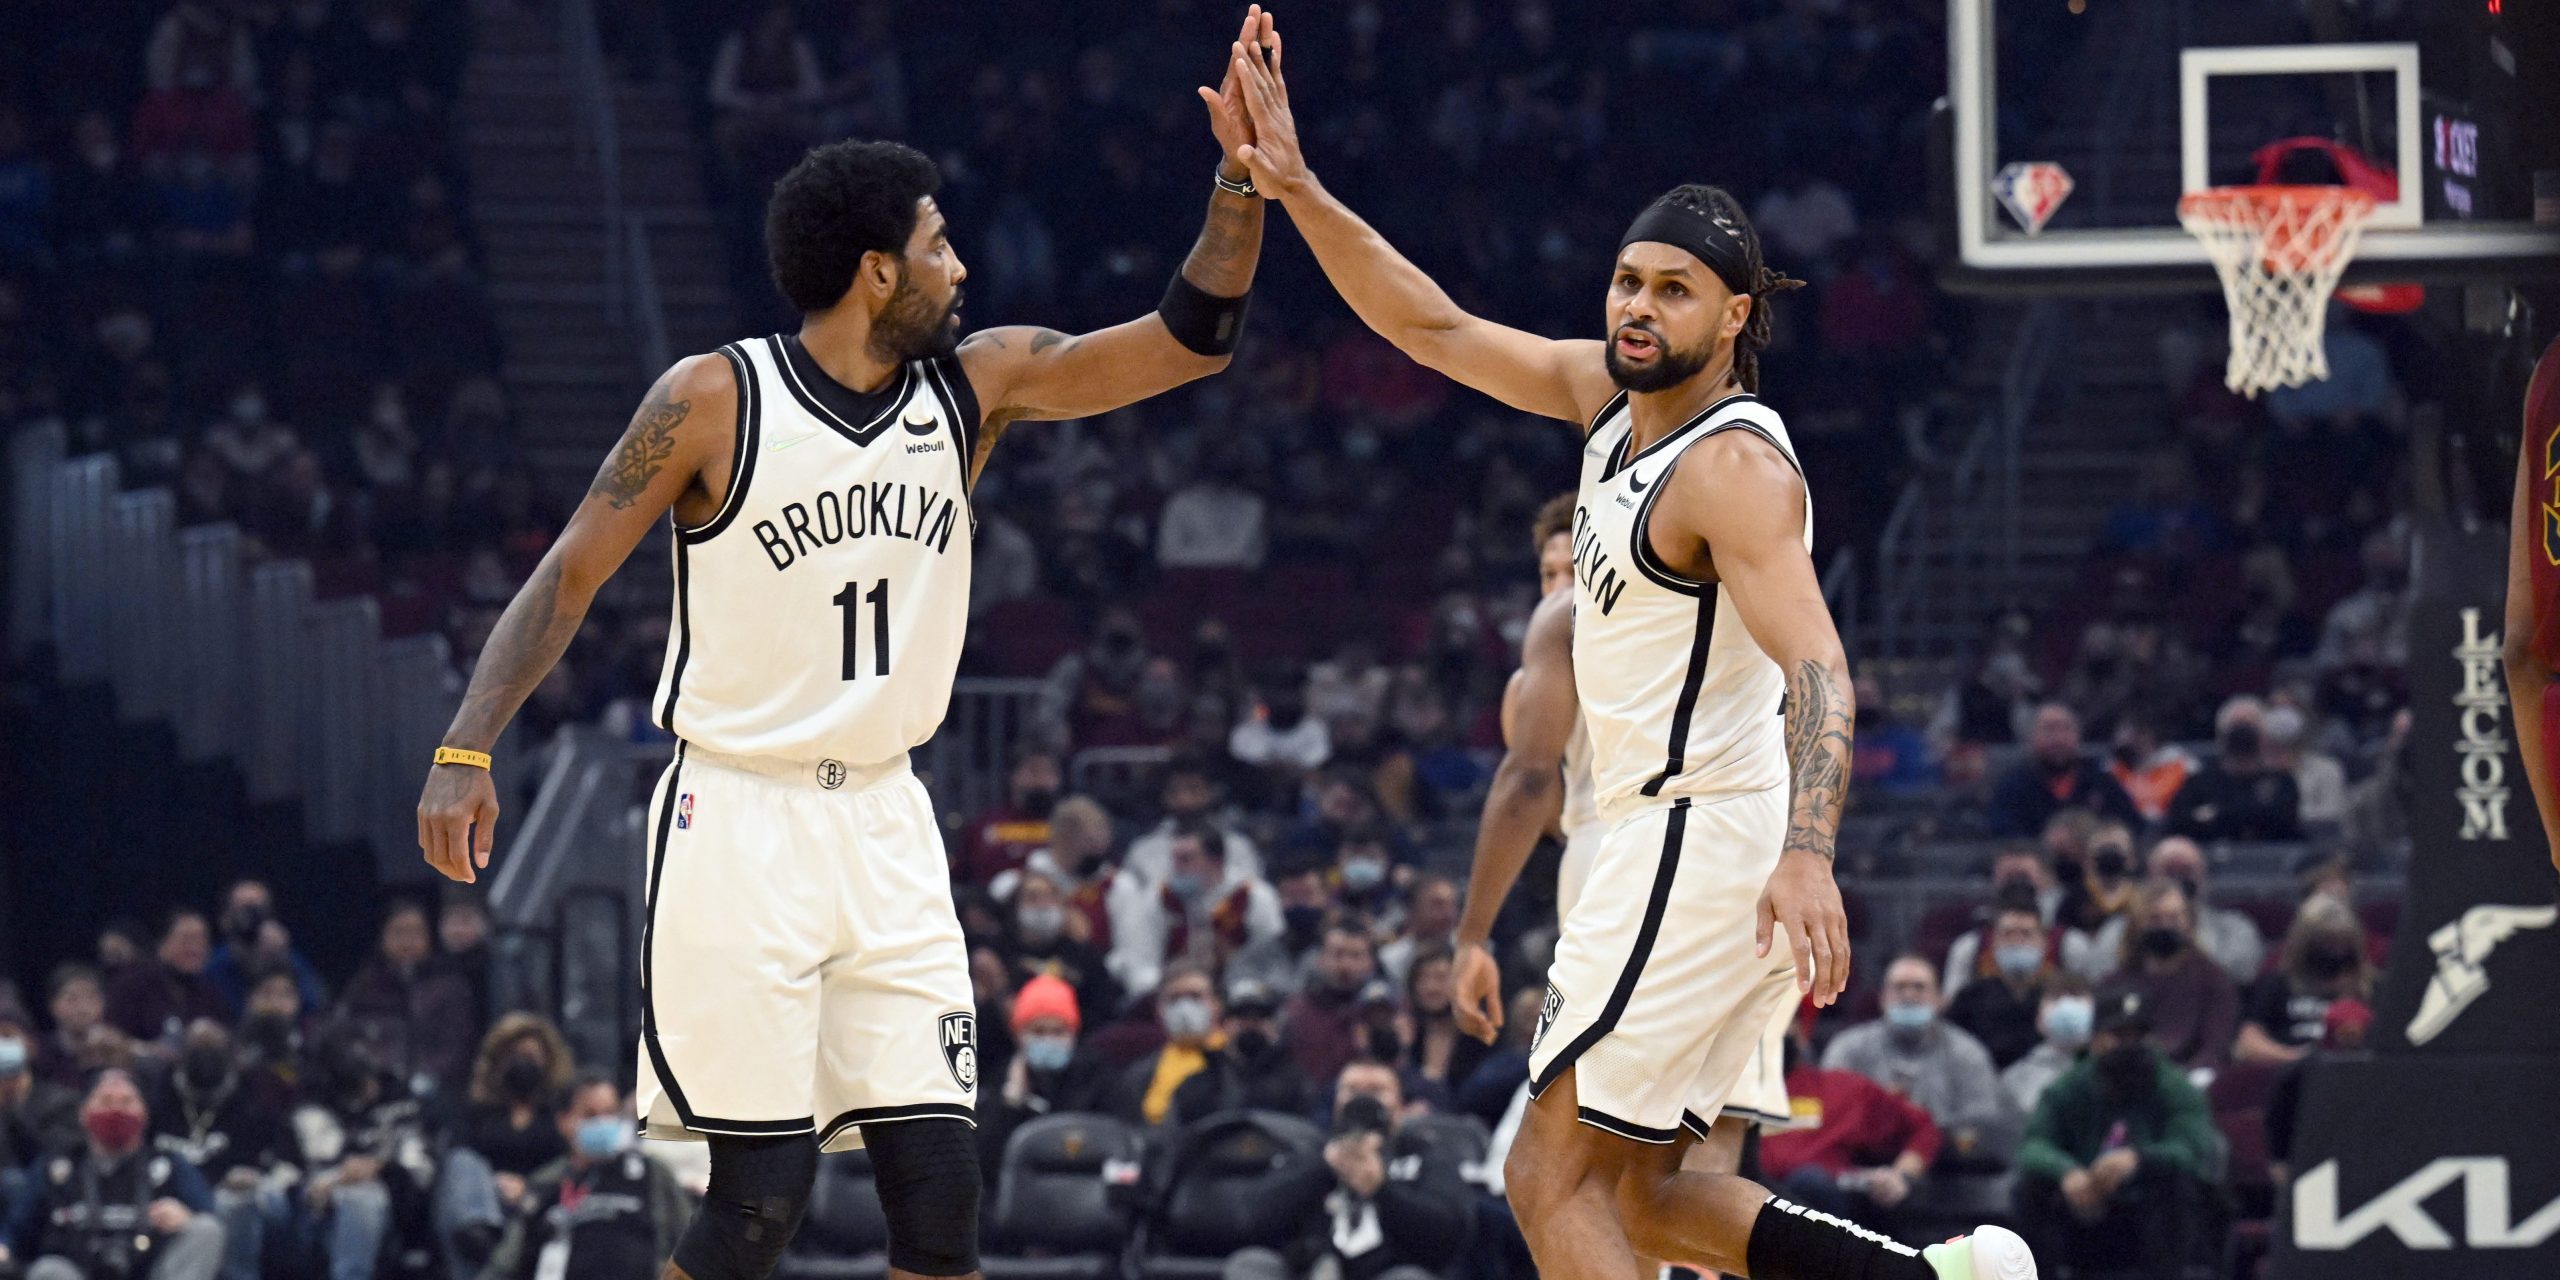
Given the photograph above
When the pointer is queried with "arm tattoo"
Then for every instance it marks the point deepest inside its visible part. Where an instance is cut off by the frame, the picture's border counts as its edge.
(1222, 260)
(643, 453)
(1819, 734)
(1043, 339)
(530, 637)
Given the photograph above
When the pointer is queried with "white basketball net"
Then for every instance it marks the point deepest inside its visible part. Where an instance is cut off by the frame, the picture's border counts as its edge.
(2279, 251)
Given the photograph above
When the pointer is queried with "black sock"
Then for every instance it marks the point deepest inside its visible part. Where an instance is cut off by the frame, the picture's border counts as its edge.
(1791, 1242)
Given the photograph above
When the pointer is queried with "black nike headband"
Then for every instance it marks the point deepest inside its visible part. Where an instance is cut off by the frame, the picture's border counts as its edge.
(1712, 240)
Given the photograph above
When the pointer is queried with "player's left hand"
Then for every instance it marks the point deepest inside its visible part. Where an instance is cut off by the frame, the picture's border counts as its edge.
(1475, 998)
(1804, 901)
(1227, 117)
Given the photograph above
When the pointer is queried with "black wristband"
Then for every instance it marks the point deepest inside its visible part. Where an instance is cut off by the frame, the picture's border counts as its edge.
(1202, 321)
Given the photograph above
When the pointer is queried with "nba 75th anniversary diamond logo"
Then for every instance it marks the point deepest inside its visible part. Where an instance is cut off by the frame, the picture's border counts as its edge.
(960, 1047)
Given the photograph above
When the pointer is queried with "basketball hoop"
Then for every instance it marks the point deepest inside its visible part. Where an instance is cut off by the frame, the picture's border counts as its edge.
(2279, 251)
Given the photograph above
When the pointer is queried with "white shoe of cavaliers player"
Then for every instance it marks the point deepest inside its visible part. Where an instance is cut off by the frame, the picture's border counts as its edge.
(1990, 1253)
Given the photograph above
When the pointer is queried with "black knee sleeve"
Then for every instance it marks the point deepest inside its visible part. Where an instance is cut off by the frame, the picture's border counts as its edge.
(759, 1191)
(927, 1172)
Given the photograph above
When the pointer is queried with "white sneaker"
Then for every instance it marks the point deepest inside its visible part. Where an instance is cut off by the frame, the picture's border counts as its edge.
(1990, 1253)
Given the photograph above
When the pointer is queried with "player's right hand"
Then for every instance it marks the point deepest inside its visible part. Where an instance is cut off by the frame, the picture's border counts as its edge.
(1475, 996)
(458, 820)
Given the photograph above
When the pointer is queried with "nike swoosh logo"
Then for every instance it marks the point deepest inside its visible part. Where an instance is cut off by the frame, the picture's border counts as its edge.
(1636, 482)
(780, 445)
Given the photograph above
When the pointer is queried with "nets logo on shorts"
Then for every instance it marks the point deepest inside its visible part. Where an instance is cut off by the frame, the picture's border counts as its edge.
(1547, 1011)
(831, 774)
(960, 1047)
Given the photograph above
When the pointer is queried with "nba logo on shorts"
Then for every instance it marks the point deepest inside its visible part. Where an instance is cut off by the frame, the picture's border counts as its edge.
(1547, 1011)
(960, 1047)
(684, 812)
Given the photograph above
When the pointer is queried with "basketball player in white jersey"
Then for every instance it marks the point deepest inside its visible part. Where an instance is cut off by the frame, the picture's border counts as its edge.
(1544, 741)
(1716, 695)
(804, 981)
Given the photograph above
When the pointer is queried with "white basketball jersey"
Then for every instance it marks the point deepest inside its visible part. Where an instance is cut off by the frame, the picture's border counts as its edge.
(1677, 697)
(819, 615)
(1581, 808)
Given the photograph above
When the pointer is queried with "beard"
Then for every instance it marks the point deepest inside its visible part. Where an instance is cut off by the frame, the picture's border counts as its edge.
(911, 327)
(1669, 369)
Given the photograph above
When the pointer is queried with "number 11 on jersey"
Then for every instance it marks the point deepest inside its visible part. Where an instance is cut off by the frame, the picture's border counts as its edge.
(851, 600)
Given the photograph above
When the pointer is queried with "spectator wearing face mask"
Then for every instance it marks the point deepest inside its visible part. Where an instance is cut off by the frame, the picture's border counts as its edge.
(255, 942)
(2111, 1173)
(1078, 859)
(114, 1207)
(37, 1116)
(1252, 1069)
(2318, 778)
(1945, 1071)
(1048, 1076)
(270, 1034)
(1202, 911)
(1399, 1209)
(2285, 1011)
(2190, 1004)
(2063, 1018)
(1000, 838)
(2229, 938)
(1187, 1008)
(1326, 1019)
(2242, 795)
(2000, 1011)
(602, 1210)
(1864, 1150)
(2018, 876)
(1050, 936)
(231, 1126)
(2054, 776)
(1365, 865)
(1190, 797)
(508, 1131)
(1310, 894)
(2096, 889)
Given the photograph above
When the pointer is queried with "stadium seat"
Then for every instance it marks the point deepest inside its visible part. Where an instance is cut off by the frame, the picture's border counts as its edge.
(2238, 1099)
(1230, 1181)
(846, 1235)
(1455, 1135)
(1057, 1212)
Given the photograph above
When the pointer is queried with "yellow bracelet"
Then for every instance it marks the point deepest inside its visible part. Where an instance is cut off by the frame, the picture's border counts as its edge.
(456, 755)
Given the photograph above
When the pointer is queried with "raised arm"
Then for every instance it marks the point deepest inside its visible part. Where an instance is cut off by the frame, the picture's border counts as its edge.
(1526, 796)
(1745, 502)
(1553, 378)
(1025, 372)
(687, 425)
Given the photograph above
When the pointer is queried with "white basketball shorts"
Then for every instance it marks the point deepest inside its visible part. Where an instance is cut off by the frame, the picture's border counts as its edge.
(1655, 999)
(801, 967)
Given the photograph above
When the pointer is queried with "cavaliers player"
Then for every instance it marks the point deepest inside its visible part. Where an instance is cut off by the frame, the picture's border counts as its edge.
(803, 977)
(1542, 786)
(2533, 593)
(1717, 697)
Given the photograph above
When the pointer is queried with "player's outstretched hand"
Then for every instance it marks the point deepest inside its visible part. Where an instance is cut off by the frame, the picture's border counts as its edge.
(1273, 156)
(1804, 901)
(458, 820)
(1227, 118)
(1475, 994)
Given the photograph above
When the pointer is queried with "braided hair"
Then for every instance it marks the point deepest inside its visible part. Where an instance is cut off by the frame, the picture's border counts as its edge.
(1716, 202)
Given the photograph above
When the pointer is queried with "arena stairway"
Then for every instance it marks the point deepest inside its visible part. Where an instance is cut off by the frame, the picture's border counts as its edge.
(562, 285)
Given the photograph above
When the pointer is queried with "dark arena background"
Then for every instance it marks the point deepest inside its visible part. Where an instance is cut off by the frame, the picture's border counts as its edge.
(316, 317)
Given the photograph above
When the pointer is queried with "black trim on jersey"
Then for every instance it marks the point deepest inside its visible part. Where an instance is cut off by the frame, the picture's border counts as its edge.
(833, 403)
(1747, 1115)
(888, 1115)
(1697, 1128)
(684, 635)
(1746, 424)
(1637, 953)
(1603, 416)
(1618, 459)
(751, 1128)
(1607, 1123)
(1640, 542)
(742, 459)
(1676, 756)
(959, 412)
(649, 942)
